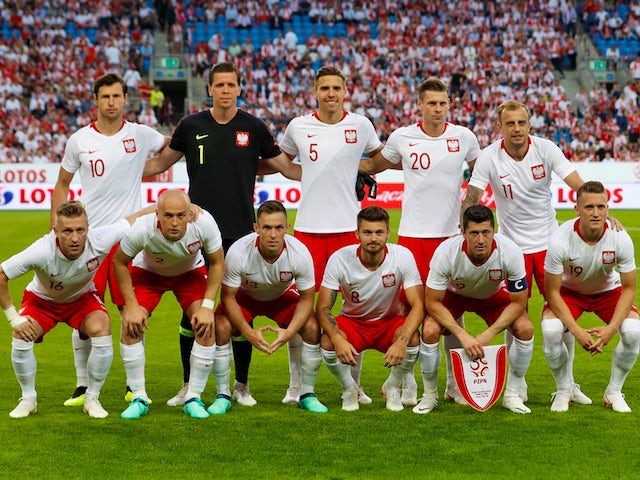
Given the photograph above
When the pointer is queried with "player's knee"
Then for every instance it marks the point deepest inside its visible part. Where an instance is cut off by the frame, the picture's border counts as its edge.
(431, 331)
(552, 332)
(96, 325)
(325, 342)
(522, 328)
(223, 330)
(630, 334)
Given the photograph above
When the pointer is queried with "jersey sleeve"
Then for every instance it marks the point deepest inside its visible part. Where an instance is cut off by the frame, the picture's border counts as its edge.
(554, 260)
(154, 138)
(179, 134)
(268, 146)
(288, 143)
(473, 150)
(391, 151)
(233, 266)
(305, 276)
(411, 275)
(33, 256)
(626, 255)
(212, 238)
(559, 163)
(439, 269)
(516, 271)
(332, 274)
(373, 142)
(137, 237)
(481, 171)
(71, 159)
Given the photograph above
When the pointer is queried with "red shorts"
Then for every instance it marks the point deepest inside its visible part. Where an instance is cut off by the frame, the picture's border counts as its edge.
(602, 304)
(49, 314)
(280, 309)
(105, 275)
(376, 334)
(321, 246)
(149, 287)
(489, 309)
(534, 265)
(422, 249)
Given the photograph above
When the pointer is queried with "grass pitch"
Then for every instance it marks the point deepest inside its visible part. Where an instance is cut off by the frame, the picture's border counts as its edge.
(272, 440)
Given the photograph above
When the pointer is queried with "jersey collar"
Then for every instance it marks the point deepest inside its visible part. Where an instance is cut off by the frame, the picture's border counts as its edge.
(504, 147)
(93, 125)
(284, 245)
(317, 116)
(421, 127)
(576, 228)
(359, 255)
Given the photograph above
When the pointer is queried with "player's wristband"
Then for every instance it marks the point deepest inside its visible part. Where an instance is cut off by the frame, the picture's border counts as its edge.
(208, 303)
(14, 318)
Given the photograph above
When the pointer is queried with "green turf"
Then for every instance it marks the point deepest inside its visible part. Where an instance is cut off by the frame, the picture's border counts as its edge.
(276, 441)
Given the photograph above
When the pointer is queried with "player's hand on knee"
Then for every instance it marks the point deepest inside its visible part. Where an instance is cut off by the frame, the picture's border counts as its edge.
(281, 338)
(29, 330)
(396, 354)
(346, 353)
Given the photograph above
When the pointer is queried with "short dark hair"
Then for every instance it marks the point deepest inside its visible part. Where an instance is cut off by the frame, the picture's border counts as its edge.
(432, 84)
(477, 214)
(224, 67)
(327, 70)
(107, 80)
(373, 214)
(71, 209)
(271, 206)
(591, 186)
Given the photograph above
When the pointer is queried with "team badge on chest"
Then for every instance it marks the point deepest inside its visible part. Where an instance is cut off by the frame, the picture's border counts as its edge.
(538, 172)
(92, 264)
(453, 145)
(351, 136)
(129, 145)
(389, 280)
(495, 275)
(608, 257)
(286, 277)
(194, 247)
(242, 139)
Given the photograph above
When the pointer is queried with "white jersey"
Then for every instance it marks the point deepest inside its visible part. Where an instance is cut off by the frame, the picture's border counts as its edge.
(57, 278)
(111, 168)
(330, 156)
(451, 269)
(589, 269)
(246, 269)
(371, 295)
(522, 190)
(433, 172)
(153, 252)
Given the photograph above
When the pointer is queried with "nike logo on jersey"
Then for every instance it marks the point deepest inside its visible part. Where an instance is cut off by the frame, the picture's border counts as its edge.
(573, 259)
(311, 135)
(503, 176)
(249, 274)
(201, 136)
(92, 151)
(414, 144)
(55, 275)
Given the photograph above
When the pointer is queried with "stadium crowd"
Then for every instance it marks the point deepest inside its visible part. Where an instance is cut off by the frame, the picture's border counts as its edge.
(486, 51)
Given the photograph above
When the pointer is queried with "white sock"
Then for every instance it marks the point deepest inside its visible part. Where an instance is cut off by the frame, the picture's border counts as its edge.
(338, 369)
(25, 366)
(134, 361)
(625, 353)
(508, 338)
(81, 352)
(555, 351)
(294, 347)
(355, 371)
(201, 362)
(399, 372)
(570, 342)
(311, 361)
(99, 363)
(520, 355)
(222, 369)
(429, 365)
